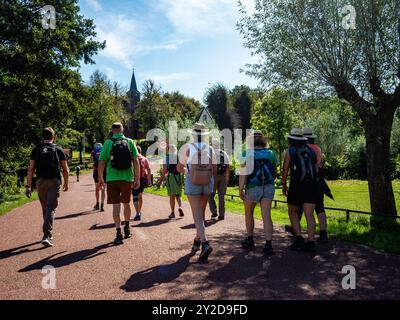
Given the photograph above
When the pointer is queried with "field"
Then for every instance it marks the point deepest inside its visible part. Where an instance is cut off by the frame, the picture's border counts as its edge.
(349, 194)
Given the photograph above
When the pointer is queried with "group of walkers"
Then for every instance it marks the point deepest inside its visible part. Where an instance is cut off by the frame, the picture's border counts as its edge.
(202, 171)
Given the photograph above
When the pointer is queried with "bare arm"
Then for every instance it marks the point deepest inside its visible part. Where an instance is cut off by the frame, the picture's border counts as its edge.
(31, 170)
(65, 171)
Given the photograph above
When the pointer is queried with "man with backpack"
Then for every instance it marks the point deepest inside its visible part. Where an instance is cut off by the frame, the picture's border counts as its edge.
(120, 155)
(145, 181)
(47, 159)
(302, 163)
(221, 182)
(95, 158)
(173, 179)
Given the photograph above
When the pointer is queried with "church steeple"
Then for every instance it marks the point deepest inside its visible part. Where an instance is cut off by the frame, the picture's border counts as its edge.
(134, 94)
(132, 128)
(133, 87)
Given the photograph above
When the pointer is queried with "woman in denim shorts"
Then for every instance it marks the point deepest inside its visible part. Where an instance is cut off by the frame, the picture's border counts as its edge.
(198, 195)
(256, 185)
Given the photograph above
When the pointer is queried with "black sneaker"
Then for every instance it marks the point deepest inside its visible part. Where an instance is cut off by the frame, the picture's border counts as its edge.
(214, 215)
(206, 249)
(297, 244)
(196, 245)
(47, 242)
(309, 246)
(248, 244)
(268, 248)
(102, 207)
(138, 217)
(221, 218)
(96, 207)
(172, 215)
(119, 239)
(323, 237)
(181, 214)
(289, 229)
(127, 231)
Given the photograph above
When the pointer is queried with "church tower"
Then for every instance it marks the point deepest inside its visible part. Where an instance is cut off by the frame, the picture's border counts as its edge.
(132, 129)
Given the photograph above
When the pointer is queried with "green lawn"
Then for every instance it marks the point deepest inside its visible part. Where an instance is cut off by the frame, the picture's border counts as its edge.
(349, 194)
(14, 201)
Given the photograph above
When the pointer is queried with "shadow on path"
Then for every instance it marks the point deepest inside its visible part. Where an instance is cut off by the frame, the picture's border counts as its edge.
(75, 215)
(67, 259)
(207, 223)
(154, 223)
(157, 275)
(20, 250)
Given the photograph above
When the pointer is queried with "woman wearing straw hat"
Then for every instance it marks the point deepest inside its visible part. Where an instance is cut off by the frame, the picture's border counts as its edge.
(256, 185)
(301, 161)
(200, 161)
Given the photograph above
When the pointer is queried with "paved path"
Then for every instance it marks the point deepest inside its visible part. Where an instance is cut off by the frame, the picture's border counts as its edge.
(155, 263)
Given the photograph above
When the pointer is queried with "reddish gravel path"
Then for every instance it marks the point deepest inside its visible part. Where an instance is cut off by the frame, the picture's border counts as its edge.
(155, 264)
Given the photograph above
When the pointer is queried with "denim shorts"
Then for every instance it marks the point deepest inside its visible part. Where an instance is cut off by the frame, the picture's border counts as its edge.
(197, 190)
(259, 193)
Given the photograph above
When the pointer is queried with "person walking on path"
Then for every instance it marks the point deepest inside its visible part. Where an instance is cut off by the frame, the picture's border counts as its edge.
(48, 160)
(200, 161)
(173, 180)
(145, 181)
(256, 185)
(320, 207)
(301, 161)
(95, 158)
(78, 172)
(120, 155)
(221, 182)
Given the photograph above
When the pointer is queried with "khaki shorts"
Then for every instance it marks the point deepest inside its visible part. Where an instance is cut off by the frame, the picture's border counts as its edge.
(119, 192)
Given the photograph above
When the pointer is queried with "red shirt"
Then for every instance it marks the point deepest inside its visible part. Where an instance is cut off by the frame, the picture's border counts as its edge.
(144, 166)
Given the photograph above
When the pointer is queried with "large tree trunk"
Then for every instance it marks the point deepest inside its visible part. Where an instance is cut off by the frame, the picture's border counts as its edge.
(378, 132)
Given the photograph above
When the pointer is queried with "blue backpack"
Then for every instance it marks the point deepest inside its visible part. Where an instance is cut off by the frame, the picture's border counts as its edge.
(303, 164)
(96, 155)
(264, 170)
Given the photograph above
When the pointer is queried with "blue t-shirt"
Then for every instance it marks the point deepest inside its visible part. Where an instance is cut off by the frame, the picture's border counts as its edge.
(251, 156)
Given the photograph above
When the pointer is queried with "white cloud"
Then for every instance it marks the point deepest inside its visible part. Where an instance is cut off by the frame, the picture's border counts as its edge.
(164, 79)
(95, 5)
(205, 17)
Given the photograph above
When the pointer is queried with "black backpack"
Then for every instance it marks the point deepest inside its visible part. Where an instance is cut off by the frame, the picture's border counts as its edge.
(303, 164)
(221, 166)
(47, 162)
(121, 156)
(172, 168)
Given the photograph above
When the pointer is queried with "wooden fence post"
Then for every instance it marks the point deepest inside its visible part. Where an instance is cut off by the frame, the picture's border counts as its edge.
(347, 215)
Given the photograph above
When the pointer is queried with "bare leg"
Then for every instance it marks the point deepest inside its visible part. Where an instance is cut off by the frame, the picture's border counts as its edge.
(116, 215)
(172, 203)
(127, 211)
(196, 204)
(140, 202)
(97, 192)
(266, 214)
(249, 217)
(309, 213)
(103, 195)
(294, 219)
(178, 199)
(322, 221)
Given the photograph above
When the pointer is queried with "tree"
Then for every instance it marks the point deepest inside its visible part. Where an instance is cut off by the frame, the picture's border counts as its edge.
(273, 115)
(243, 105)
(308, 45)
(217, 101)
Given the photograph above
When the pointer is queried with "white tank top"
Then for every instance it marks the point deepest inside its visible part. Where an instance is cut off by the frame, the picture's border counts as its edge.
(193, 151)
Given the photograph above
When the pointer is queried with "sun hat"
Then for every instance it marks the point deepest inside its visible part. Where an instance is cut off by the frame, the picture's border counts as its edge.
(308, 133)
(199, 129)
(297, 134)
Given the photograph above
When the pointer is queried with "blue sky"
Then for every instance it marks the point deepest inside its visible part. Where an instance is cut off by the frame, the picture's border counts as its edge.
(181, 44)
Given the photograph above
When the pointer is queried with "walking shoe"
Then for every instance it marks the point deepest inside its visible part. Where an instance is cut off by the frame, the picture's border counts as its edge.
(196, 245)
(119, 238)
(220, 218)
(96, 207)
(214, 215)
(206, 249)
(138, 217)
(297, 244)
(309, 246)
(102, 207)
(47, 242)
(248, 244)
(323, 237)
(289, 229)
(268, 248)
(127, 231)
(172, 215)
(181, 214)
